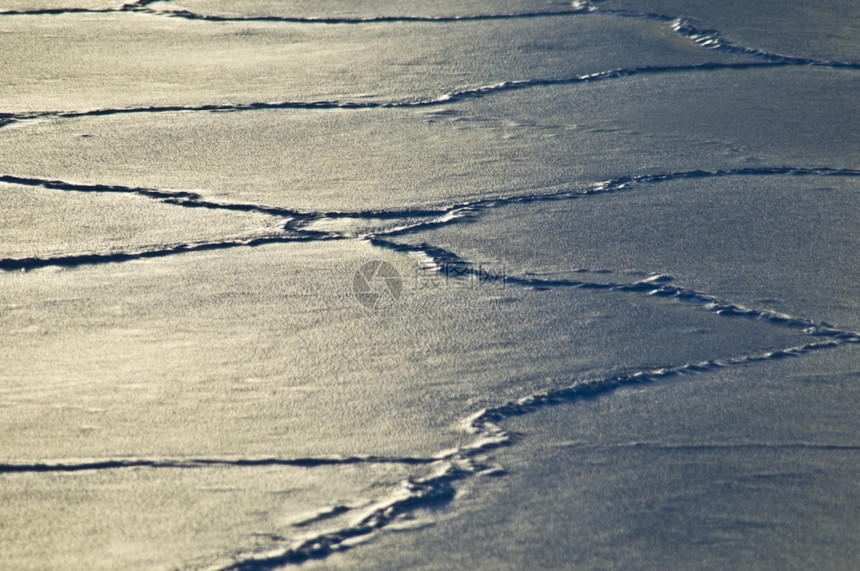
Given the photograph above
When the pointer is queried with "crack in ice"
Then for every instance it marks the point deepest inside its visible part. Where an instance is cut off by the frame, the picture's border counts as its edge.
(426, 102)
(299, 225)
(197, 463)
(462, 463)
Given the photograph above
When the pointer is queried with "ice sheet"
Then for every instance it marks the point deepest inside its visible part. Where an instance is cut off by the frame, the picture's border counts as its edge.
(826, 30)
(781, 241)
(429, 285)
(95, 220)
(373, 9)
(117, 60)
(754, 469)
(250, 347)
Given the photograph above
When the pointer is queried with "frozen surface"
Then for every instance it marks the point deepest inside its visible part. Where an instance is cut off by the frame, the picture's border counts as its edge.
(750, 473)
(515, 142)
(220, 359)
(433, 285)
(828, 30)
(252, 346)
(81, 62)
(785, 242)
(156, 517)
(86, 221)
(373, 9)
(30, 6)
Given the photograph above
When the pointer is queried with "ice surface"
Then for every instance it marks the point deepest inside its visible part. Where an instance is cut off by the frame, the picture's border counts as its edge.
(88, 221)
(524, 141)
(827, 30)
(29, 6)
(753, 470)
(252, 346)
(150, 518)
(79, 62)
(373, 9)
(435, 285)
(777, 241)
